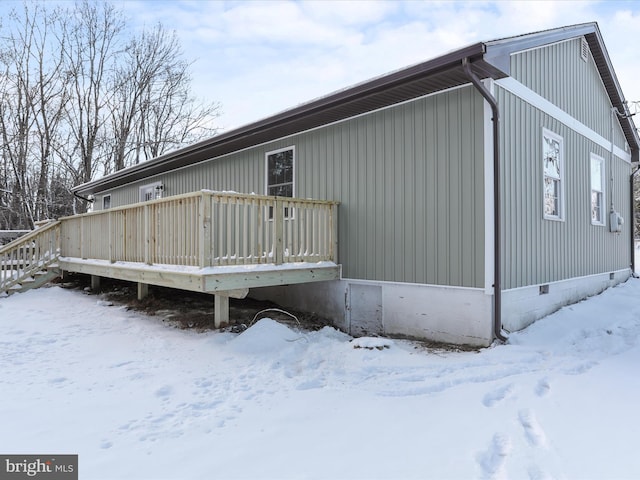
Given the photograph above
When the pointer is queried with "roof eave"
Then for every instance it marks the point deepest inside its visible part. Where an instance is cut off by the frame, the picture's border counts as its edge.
(285, 121)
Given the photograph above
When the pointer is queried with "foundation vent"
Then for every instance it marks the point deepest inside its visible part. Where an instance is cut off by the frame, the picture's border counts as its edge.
(544, 289)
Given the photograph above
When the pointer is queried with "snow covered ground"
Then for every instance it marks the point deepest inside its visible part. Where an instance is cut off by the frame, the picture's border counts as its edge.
(138, 399)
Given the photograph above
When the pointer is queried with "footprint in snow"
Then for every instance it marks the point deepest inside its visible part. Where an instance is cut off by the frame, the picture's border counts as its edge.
(311, 384)
(164, 391)
(497, 395)
(492, 460)
(532, 429)
(542, 388)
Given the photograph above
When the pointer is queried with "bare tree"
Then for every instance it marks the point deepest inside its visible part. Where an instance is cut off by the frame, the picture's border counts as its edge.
(90, 55)
(16, 113)
(50, 101)
(173, 117)
(145, 59)
(154, 110)
(77, 93)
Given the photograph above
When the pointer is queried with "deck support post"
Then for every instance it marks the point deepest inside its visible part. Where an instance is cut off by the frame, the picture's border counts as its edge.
(143, 290)
(220, 310)
(95, 283)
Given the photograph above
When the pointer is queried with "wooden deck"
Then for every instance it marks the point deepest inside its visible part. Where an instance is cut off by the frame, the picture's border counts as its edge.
(219, 243)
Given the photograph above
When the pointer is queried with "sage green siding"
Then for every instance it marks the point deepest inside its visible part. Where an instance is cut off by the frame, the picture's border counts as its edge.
(410, 180)
(538, 250)
(558, 73)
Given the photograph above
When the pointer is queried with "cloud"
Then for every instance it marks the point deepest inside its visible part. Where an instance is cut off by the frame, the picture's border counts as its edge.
(258, 58)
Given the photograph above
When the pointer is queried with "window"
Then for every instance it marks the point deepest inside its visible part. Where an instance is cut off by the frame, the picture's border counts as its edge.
(597, 190)
(152, 191)
(106, 202)
(280, 172)
(553, 173)
(280, 175)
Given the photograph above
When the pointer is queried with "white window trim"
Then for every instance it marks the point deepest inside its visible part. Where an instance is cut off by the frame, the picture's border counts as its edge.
(291, 213)
(561, 213)
(146, 187)
(266, 169)
(598, 158)
(104, 198)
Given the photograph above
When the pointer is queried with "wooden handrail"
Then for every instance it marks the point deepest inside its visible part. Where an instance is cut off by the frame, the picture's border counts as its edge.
(29, 254)
(29, 236)
(206, 229)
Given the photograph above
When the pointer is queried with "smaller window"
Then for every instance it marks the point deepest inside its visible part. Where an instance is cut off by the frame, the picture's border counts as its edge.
(153, 191)
(106, 202)
(552, 156)
(597, 190)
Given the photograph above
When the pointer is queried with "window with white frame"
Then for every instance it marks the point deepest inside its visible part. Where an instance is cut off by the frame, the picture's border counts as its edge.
(280, 174)
(597, 190)
(106, 202)
(552, 157)
(151, 191)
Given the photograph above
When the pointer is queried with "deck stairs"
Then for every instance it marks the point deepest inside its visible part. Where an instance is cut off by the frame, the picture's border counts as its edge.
(30, 261)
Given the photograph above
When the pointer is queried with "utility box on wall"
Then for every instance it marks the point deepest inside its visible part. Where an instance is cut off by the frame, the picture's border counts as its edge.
(615, 222)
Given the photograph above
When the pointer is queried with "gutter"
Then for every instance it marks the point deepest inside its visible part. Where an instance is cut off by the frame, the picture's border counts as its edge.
(497, 254)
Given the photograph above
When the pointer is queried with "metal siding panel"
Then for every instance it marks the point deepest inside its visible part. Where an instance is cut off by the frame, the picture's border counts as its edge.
(419, 198)
(441, 224)
(539, 251)
(389, 197)
(409, 179)
(408, 190)
(568, 82)
(431, 187)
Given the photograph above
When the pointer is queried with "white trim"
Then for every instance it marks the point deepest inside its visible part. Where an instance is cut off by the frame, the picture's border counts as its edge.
(293, 173)
(561, 210)
(532, 98)
(603, 213)
(489, 217)
(540, 47)
(389, 282)
(571, 279)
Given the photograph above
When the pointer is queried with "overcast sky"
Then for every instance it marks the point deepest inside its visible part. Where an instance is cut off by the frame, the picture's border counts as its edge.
(258, 57)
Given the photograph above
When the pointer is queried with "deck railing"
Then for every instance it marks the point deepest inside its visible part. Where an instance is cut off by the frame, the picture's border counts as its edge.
(29, 254)
(205, 229)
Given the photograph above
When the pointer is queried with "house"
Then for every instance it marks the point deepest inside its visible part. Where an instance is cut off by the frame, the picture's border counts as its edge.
(478, 191)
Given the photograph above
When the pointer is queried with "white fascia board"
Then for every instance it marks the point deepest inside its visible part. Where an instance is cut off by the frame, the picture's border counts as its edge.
(532, 98)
